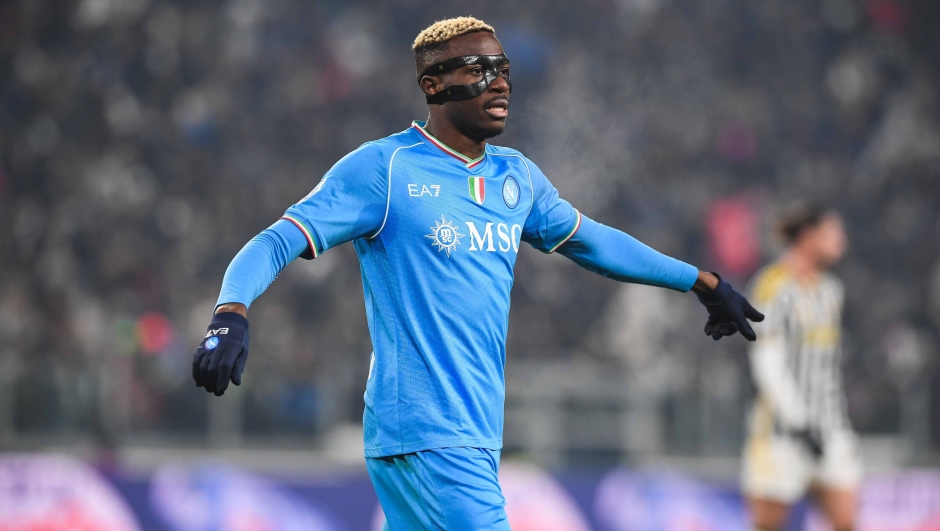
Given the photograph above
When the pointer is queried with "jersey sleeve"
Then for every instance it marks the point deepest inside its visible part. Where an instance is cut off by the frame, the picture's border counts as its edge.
(259, 262)
(768, 355)
(350, 202)
(617, 255)
(552, 221)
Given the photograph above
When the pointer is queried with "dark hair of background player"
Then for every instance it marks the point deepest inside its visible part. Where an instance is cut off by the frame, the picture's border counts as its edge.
(798, 218)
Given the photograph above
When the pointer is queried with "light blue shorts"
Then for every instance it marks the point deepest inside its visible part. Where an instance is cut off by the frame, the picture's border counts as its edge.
(447, 489)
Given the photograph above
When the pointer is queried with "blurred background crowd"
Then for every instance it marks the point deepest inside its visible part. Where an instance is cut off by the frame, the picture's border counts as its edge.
(143, 142)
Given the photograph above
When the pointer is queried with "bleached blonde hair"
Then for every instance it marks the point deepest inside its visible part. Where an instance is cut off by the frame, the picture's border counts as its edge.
(445, 30)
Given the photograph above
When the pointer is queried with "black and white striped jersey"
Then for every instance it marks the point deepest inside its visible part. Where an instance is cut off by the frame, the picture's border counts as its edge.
(796, 360)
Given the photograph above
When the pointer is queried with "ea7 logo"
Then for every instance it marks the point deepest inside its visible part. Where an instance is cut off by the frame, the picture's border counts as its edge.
(433, 190)
(508, 237)
(216, 332)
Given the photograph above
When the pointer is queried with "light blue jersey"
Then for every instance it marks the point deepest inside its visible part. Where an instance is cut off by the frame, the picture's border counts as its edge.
(437, 236)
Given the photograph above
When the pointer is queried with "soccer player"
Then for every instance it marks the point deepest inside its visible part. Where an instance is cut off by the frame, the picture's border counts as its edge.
(799, 436)
(437, 216)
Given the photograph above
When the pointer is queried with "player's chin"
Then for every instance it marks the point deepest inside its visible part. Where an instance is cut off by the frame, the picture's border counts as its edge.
(479, 124)
(491, 125)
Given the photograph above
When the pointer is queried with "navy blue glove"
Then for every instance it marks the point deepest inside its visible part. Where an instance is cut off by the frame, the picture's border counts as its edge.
(222, 354)
(728, 312)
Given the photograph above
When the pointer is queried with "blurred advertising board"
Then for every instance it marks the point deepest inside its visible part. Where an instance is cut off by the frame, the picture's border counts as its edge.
(630, 501)
(53, 492)
(908, 501)
(216, 497)
(56, 493)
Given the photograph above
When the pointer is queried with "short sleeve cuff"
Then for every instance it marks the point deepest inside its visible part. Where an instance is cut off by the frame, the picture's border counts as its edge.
(571, 233)
(313, 248)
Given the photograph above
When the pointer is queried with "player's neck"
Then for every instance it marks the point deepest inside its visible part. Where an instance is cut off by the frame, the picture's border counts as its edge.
(804, 268)
(445, 131)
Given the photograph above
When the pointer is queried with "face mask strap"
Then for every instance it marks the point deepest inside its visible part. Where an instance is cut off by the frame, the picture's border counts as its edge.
(490, 64)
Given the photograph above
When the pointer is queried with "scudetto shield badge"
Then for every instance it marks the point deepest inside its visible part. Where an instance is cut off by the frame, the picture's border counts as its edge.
(511, 191)
(477, 189)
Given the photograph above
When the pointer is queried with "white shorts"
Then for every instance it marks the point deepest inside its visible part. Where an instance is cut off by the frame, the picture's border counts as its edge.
(780, 468)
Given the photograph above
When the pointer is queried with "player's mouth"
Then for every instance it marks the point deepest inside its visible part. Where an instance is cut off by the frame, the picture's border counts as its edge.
(498, 108)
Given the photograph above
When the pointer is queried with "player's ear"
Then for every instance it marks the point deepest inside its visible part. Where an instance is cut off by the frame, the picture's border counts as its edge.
(431, 85)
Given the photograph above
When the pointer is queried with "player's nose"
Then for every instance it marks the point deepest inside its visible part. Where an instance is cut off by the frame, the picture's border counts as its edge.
(499, 85)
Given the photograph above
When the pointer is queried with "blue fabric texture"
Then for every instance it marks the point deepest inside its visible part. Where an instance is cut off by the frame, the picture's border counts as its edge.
(446, 489)
(260, 261)
(437, 236)
(614, 254)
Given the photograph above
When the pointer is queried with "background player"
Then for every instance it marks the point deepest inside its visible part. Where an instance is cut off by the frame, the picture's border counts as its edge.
(436, 216)
(800, 439)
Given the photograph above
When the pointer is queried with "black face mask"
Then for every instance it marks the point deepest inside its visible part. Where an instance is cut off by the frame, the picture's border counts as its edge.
(490, 64)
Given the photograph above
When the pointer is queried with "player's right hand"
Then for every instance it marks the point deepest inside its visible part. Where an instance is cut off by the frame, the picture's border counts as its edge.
(222, 354)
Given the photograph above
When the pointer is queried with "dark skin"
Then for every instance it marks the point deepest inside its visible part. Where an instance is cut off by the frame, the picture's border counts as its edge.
(466, 125)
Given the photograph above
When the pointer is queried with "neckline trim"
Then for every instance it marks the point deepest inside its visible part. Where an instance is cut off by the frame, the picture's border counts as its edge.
(467, 161)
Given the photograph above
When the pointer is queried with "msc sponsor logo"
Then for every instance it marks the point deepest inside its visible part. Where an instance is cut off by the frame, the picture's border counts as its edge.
(486, 237)
(507, 237)
(445, 236)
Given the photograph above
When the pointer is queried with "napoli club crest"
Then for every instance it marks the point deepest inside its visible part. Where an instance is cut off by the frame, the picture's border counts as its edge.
(511, 191)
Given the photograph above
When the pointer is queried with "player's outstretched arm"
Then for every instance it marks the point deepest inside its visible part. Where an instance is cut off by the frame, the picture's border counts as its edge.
(222, 354)
(349, 202)
(617, 255)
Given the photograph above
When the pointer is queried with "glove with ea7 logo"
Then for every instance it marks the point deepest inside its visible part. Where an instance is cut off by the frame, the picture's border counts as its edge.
(222, 354)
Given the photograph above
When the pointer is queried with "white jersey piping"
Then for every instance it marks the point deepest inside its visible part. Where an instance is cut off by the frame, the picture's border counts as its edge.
(388, 202)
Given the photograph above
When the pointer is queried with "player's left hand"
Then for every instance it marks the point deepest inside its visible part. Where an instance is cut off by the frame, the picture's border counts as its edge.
(222, 354)
(728, 312)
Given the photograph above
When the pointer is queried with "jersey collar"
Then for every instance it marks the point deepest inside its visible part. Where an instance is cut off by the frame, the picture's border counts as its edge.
(467, 161)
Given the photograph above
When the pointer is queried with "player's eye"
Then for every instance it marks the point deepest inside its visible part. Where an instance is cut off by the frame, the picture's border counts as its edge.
(504, 71)
(477, 71)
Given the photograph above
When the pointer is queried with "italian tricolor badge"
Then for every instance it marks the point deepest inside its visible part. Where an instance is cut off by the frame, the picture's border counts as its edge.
(477, 189)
